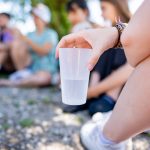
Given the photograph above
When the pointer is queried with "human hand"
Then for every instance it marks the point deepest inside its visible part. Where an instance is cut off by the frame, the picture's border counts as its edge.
(98, 39)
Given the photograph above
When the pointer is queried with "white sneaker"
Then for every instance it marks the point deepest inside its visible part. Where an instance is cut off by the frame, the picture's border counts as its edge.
(101, 117)
(90, 136)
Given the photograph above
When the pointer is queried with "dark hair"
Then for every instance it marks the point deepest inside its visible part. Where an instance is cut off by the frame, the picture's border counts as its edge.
(5, 14)
(122, 8)
(79, 3)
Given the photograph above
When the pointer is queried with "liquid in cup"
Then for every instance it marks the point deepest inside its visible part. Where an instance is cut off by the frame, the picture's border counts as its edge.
(74, 74)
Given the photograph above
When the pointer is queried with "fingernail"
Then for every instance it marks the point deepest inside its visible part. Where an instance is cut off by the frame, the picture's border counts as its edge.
(90, 67)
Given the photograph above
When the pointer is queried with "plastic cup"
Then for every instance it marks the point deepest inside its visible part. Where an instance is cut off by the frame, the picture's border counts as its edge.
(74, 74)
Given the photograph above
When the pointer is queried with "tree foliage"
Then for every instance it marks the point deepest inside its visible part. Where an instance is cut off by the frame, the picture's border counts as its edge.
(59, 20)
(59, 16)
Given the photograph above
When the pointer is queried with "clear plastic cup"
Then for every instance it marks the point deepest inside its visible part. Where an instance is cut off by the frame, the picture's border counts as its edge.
(74, 74)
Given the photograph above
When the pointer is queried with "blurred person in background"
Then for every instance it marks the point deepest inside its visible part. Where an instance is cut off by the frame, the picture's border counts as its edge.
(112, 71)
(78, 15)
(6, 37)
(33, 55)
(112, 67)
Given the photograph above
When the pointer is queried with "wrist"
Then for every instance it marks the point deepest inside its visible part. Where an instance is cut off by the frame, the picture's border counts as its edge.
(112, 38)
(115, 36)
(120, 26)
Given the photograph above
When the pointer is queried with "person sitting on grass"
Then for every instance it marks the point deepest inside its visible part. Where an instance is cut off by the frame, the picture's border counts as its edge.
(6, 37)
(33, 55)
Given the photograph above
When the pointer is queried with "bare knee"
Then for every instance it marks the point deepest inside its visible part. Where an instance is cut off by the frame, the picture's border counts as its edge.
(15, 46)
(136, 49)
(127, 41)
(19, 54)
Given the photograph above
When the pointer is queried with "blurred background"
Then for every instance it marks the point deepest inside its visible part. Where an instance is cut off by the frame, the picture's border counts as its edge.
(32, 116)
(20, 9)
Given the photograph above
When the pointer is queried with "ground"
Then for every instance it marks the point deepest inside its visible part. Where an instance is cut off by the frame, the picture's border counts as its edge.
(32, 119)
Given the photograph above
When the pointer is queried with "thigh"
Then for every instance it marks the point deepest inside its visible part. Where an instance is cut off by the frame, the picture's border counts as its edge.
(20, 54)
(42, 77)
(25, 56)
(131, 113)
(4, 56)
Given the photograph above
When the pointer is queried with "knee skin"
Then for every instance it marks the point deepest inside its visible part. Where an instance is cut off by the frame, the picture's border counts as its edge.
(127, 41)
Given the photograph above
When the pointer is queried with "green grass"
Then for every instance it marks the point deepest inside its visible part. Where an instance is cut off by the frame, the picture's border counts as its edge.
(80, 120)
(53, 89)
(31, 102)
(28, 122)
(46, 101)
(148, 134)
(3, 75)
(16, 104)
(5, 126)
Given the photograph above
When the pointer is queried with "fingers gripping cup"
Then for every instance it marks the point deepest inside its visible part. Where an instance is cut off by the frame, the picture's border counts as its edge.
(74, 74)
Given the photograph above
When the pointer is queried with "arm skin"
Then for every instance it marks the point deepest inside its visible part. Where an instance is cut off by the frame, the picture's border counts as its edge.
(133, 106)
(41, 50)
(115, 79)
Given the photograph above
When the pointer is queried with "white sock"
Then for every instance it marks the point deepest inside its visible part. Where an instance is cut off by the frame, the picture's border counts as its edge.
(104, 140)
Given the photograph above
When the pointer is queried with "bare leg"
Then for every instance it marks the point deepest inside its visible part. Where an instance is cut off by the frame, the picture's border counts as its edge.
(39, 79)
(3, 57)
(131, 113)
(95, 77)
(3, 53)
(114, 93)
(20, 55)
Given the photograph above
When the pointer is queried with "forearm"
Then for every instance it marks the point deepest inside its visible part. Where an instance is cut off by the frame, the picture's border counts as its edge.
(116, 79)
(41, 50)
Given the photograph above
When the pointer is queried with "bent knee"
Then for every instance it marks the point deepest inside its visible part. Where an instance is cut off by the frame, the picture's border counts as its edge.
(135, 49)
(128, 44)
(15, 43)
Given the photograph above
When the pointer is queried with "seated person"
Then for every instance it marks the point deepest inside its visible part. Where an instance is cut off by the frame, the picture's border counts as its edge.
(111, 71)
(78, 15)
(112, 67)
(34, 55)
(114, 72)
(6, 37)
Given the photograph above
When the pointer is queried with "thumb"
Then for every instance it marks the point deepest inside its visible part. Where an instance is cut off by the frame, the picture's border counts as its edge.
(94, 58)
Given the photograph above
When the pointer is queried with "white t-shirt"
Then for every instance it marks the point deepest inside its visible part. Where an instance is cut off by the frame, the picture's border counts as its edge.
(81, 26)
